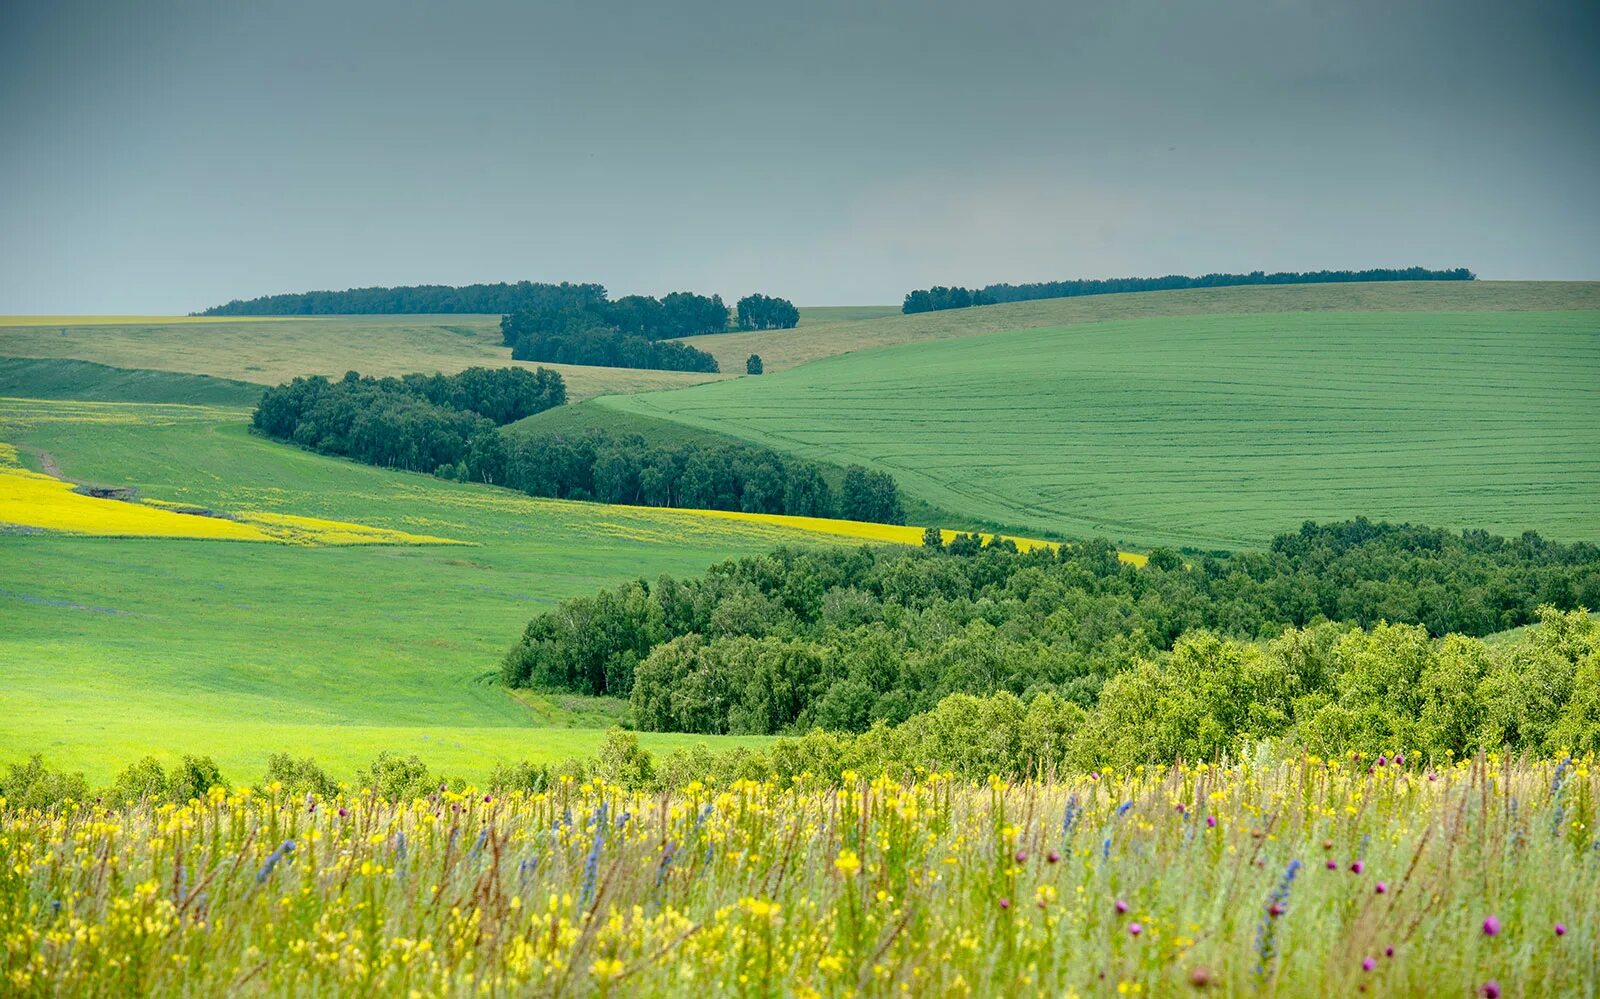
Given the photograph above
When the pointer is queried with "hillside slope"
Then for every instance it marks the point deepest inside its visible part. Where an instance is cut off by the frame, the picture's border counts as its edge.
(786, 348)
(1212, 432)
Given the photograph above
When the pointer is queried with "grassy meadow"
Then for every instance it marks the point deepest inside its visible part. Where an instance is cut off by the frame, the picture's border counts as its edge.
(1294, 877)
(1207, 431)
(120, 647)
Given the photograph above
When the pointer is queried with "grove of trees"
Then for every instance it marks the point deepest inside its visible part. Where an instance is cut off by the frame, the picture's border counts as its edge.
(626, 333)
(761, 312)
(938, 298)
(843, 639)
(420, 423)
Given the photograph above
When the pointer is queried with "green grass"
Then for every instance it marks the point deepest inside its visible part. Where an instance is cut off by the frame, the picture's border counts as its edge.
(1208, 431)
(813, 341)
(35, 378)
(117, 648)
(270, 351)
(812, 315)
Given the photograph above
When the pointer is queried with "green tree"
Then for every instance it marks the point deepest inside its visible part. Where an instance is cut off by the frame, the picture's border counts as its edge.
(752, 365)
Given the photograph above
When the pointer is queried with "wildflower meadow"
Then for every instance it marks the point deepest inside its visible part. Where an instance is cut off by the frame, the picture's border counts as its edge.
(1301, 876)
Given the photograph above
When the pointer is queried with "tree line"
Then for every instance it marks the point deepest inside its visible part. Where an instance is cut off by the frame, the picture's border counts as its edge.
(482, 299)
(844, 639)
(938, 298)
(596, 465)
(451, 426)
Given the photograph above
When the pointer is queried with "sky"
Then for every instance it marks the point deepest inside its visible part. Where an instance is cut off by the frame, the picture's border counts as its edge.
(160, 157)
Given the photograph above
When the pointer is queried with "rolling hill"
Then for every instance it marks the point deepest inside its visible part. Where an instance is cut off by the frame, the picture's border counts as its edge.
(1209, 431)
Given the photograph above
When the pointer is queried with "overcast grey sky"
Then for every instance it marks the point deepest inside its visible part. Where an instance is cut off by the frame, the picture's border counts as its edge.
(159, 157)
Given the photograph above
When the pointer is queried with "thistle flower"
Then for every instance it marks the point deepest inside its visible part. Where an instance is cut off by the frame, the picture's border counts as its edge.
(1357, 867)
(1021, 856)
(1561, 929)
(1333, 865)
(1490, 989)
(1121, 906)
(1381, 887)
(1491, 926)
(1135, 929)
(1211, 821)
(1367, 963)
(1005, 903)
(1053, 857)
(1388, 951)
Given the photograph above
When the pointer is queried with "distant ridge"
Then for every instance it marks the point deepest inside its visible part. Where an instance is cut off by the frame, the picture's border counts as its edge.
(430, 299)
(938, 298)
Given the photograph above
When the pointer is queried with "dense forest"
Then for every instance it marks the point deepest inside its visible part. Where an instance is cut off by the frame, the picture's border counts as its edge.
(482, 299)
(842, 639)
(938, 298)
(451, 426)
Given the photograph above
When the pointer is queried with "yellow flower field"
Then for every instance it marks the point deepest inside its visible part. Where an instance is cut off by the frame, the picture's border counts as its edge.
(34, 501)
(1297, 877)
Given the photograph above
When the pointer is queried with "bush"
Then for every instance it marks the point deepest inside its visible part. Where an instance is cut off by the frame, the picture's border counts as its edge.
(33, 785)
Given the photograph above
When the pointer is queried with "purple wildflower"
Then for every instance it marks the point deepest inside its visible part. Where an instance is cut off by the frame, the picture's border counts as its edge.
(1367, 964)
(1491, 926)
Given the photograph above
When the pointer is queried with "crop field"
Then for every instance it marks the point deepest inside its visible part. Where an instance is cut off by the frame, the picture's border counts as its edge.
(781, 349)
(1302, 877)
(269, 351)
(1213, 432)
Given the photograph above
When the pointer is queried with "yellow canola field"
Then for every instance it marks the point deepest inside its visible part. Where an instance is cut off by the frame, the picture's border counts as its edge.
(887, 533)
(32, 500)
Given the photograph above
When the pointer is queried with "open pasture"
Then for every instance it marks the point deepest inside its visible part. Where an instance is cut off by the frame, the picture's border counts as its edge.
(268, 351)
(1212, 432)
(118, 647)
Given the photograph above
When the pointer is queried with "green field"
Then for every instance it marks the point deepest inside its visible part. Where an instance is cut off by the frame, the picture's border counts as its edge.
(116, 648)
(1208, 431)
(813, 341)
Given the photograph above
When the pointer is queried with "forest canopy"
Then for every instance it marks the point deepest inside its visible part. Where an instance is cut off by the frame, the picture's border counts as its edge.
(842, 639)
(939, 298)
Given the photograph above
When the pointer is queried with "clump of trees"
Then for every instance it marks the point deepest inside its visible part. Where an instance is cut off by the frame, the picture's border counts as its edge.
(762, 312)
(626, 333)
(845, 639)
(753, 365)
(960, 298)
(939, 298)
(420, 423)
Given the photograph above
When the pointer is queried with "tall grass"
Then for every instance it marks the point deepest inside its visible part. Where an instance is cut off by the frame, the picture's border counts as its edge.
(1286, 878)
